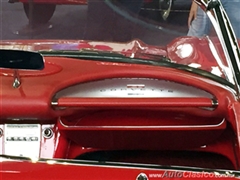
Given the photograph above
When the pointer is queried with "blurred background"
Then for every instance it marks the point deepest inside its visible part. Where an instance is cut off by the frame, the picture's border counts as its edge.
(157, 22)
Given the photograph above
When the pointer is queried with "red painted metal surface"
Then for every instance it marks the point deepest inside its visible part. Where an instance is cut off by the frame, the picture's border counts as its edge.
(54, 170)
(82, 125)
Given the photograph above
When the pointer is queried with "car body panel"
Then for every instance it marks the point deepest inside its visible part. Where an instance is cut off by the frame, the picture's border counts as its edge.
(110, 110)
(62, 72)
(54, 169)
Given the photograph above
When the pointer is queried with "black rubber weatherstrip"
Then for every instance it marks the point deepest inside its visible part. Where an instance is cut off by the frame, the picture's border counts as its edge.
(119, 165)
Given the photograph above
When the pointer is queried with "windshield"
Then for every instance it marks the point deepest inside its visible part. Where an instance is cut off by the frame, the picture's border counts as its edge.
(175, 31)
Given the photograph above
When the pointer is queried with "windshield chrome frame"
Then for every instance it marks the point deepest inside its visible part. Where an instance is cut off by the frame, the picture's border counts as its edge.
(229, 43)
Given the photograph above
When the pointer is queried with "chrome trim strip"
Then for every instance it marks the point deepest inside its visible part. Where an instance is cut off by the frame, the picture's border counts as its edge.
(122, 165)
(214, 103)
(54, 103)
(145, 127)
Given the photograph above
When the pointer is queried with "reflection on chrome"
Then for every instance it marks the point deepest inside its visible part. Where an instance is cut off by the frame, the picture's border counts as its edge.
(195, 65)
(216, 71)
(51, 162)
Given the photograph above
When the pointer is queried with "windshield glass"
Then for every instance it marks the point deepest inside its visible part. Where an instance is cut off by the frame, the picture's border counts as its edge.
(176, 31)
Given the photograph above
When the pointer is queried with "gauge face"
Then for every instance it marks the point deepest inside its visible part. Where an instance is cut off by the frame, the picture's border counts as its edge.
(132, 87)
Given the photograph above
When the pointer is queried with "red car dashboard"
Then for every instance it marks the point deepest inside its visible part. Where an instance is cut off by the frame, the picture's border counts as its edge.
(75, 107)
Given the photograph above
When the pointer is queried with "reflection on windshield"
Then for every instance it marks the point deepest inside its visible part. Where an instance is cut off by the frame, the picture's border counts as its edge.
(158, 27)
(97, 20)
